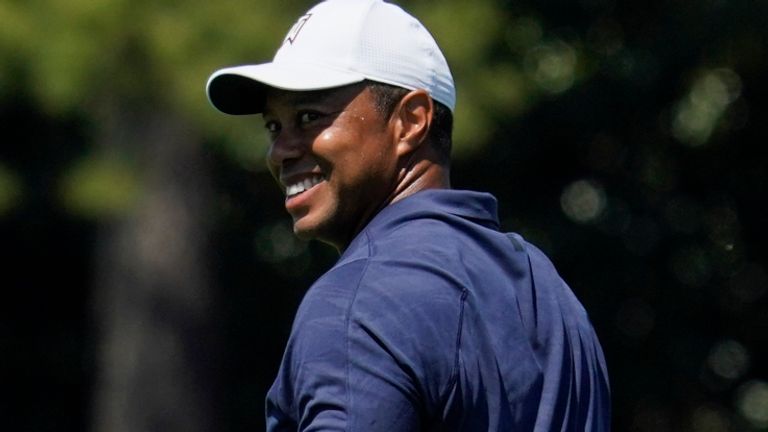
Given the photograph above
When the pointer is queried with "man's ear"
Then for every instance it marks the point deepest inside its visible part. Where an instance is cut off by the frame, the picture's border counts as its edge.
(413, 118)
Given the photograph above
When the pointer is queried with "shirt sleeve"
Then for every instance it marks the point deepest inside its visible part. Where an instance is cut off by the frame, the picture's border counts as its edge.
(372, 349)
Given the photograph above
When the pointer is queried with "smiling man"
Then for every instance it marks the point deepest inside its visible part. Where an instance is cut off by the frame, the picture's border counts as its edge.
(432, 319)
(341, 157)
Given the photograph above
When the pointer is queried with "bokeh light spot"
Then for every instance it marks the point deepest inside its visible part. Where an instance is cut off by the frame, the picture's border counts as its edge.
(699, 113)
(583, 201)
(552, 65)
(752, 402)
(729, 360)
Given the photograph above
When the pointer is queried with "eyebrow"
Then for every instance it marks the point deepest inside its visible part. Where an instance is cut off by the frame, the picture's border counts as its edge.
(309, 96)
(301, 98)
(313, 96)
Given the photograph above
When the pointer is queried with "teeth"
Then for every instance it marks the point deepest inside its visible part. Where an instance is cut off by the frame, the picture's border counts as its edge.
(303, 185)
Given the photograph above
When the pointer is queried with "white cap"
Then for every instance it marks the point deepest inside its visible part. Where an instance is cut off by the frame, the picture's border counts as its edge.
(336, 43)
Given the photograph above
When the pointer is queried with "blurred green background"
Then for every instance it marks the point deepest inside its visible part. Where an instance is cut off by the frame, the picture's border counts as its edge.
(150, 276)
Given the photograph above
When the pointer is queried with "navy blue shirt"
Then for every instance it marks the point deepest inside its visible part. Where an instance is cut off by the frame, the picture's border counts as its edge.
(433, 319)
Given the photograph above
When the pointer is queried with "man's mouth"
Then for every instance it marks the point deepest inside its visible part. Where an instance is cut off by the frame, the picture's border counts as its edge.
(300, 186)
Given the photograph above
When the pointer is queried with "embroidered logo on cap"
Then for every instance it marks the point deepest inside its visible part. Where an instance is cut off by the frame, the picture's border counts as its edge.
(297, 28)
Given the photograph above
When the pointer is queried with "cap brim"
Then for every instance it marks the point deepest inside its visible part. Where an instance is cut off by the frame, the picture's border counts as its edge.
(240, 90)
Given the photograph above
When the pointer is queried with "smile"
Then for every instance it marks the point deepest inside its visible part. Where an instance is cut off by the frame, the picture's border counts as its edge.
(302, 185)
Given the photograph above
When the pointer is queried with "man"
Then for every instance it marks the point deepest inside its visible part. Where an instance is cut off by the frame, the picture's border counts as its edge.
(432, 319)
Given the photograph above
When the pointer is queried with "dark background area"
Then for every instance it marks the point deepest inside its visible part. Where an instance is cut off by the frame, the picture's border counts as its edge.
(155, 291)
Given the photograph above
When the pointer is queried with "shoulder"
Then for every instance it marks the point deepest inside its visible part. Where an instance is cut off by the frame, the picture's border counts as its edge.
(404, 277)
(407, 284)
(417, 261)
(413, 285)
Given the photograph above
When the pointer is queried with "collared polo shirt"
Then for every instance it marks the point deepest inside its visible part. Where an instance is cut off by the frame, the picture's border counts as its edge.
(433, 319)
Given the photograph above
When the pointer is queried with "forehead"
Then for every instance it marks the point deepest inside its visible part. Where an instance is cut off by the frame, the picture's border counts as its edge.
(339, 96)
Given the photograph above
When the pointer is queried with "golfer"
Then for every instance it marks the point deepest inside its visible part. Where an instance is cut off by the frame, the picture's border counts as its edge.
(432, 319)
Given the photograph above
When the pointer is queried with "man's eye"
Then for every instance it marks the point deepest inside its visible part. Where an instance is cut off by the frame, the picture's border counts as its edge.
(307, 117)
(272, 127)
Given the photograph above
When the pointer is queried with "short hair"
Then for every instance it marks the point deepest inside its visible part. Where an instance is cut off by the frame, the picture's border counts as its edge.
(387, 96)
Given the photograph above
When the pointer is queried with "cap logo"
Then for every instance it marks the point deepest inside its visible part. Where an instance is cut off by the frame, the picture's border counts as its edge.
(294, 33)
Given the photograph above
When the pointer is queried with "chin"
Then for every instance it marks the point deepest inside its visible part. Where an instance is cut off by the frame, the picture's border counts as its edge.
(305, 229)
(302, 232)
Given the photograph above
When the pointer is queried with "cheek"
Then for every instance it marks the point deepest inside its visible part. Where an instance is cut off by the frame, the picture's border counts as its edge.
(331, 144)
(353, 153)
(339, 149)
(273, 169)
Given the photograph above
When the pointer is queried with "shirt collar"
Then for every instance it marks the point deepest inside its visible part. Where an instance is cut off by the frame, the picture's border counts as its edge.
(479, 207)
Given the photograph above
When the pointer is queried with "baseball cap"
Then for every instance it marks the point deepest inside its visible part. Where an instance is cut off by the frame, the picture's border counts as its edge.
(336, 43)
